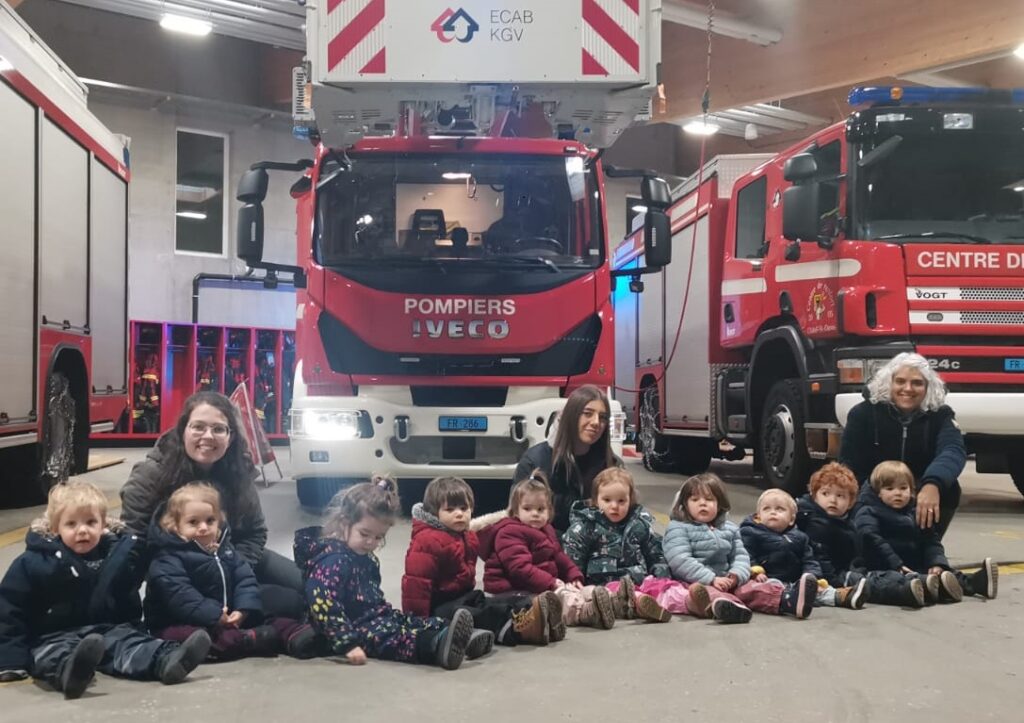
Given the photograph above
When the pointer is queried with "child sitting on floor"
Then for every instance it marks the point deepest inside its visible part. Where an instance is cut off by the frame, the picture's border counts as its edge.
(892, 540)
(343, 592)
(69, 604)
(440, 568)
(611, 539)
(198, 581)
(705, 552)
(522, 554)
(784, 552)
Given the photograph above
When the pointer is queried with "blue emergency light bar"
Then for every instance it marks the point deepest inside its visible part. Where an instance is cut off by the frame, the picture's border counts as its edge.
(898, 95)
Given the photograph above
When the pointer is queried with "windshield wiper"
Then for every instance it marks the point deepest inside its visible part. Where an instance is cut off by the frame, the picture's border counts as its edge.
(385, 262)
(929, 235)
(531, 261)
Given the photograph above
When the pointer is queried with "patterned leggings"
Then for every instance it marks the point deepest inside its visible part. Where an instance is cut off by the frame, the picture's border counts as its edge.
(673, 595)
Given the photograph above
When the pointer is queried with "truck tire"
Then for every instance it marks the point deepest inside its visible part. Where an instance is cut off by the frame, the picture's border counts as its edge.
(57, 451)
(656, 448)
(780, 443)
(316, 492)
(1017, 471)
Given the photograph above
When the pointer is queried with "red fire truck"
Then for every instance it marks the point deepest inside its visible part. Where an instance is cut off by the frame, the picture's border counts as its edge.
(796, 275)
(63, 201)
(456, 266)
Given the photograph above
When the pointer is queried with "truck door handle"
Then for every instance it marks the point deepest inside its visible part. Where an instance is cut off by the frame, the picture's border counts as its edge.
(730, 317)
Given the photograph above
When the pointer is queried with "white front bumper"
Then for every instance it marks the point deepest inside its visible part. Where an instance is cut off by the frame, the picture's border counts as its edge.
(496, 453)
(976, 413)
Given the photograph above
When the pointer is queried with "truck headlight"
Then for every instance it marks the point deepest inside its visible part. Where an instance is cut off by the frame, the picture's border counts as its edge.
(326, 425)
(858, 371)
(617, 426)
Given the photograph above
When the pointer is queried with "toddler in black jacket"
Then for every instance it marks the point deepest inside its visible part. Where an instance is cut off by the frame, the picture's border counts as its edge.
(892, 540)
(198, 581)
(69, 604)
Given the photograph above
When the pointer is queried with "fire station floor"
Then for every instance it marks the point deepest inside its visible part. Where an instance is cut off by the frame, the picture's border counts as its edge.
(950, 662)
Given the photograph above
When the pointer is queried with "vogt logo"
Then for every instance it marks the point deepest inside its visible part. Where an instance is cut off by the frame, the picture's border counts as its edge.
(455, 25)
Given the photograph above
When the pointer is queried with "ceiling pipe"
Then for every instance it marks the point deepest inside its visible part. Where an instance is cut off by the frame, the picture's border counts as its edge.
(696, 16)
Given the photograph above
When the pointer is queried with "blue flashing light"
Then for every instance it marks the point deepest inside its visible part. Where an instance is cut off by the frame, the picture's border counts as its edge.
(301, 132)
(898, 95)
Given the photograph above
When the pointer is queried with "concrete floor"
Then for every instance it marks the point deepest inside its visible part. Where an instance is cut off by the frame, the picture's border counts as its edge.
(880, 664)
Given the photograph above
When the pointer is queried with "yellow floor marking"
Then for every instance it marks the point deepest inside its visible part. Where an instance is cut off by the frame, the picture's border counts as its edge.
(99, 461)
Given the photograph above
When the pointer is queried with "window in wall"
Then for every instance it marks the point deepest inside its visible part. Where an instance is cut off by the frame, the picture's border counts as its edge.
(200, 214)
(750, 211)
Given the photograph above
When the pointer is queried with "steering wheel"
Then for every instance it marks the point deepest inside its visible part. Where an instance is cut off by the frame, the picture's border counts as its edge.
(537, 242)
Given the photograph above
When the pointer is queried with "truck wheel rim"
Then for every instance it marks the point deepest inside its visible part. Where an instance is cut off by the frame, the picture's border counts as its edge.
(779, 440)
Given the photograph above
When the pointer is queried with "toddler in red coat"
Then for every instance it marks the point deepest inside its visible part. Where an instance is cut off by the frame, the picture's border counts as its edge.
(522, 553)
(440, 567)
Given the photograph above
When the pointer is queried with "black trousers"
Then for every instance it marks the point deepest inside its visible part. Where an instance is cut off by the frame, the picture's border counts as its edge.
(281, 587)
(949, 500)
(128, 652)
(489, 612)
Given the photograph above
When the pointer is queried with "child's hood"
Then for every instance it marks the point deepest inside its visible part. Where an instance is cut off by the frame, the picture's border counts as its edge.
(40, 538)
(310, 547)
(426, 520)
(754, 522)
(869, 498)
(486, 528)
(159, 538)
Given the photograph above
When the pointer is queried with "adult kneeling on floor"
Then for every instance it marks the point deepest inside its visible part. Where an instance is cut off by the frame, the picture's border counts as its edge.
(208, 444)
(904, 418)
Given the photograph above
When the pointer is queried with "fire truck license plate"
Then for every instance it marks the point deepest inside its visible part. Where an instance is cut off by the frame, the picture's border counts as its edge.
(462, 424)
(1013, 365)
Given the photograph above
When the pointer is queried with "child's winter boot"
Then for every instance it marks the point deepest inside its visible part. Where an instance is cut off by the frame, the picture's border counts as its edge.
(624, 599)
(175, 666)
(451, 644)
(728, 612)
(481, 642)
(531, 624)
(647, 608)
(852, 597)
(597, 612)
(80, 667)
(932, 588)
(698, 601)
(949, 588)
(985, 581)
(556, 624)
(303, 643)
(798, 598)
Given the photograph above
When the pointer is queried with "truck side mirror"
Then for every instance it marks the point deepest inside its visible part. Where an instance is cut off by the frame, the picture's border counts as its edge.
(252, 189)
(799, 168)
(655, 193)
(800, 220)
(657, 239)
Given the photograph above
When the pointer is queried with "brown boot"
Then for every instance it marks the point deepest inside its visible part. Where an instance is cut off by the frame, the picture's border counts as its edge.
(598, 612)
(647, 608)
(624, 599)
(852, 597)
(698, 603)
(531, 625)
(556, 626)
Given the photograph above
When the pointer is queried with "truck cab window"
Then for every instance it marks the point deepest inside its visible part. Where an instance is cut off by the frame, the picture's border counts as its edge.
(750, 217)
(827, 158)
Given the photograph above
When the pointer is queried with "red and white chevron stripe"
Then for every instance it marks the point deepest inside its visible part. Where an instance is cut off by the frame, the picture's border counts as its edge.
(355, 29)
(611, 29)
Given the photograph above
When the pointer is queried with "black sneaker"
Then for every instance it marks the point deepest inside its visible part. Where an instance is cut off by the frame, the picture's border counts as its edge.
(950, 590)
(985, 581)
(481, 642)
(80, 667)
(266, 641)
(451, 647)
(932, 587)
(175, 666)
(915, 593)
(303, 643)
(726, 611)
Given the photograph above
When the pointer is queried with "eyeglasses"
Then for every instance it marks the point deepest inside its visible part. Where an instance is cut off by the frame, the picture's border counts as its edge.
(200, 428)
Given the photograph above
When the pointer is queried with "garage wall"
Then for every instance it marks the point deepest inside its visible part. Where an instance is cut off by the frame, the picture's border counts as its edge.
(160, 281)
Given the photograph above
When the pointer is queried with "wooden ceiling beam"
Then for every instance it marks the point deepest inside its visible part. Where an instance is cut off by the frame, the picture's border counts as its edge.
(834, 43)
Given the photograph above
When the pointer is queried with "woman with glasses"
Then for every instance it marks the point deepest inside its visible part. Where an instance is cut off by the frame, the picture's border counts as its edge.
(207, 444)
(580, 450)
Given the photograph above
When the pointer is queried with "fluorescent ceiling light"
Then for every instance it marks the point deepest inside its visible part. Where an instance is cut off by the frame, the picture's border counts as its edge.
(194, 215)
(700, 128)
(182, 24)
(1019, 52)
(1019, 189)
(453, 176)
(5, 64)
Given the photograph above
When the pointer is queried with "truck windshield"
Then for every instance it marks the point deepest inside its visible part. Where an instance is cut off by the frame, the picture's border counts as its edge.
(523, 213)
(956, 186)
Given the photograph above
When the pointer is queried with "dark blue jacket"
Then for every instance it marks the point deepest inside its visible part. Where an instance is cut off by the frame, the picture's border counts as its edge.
(187, 585)
(50, 588)
(834, 540)
(891, 538)
(784, 556)
(928, 442)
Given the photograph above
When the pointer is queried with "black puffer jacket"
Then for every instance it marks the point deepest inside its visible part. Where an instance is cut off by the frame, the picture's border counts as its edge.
(834, 540)
(188, 585)
(784, 556)
(891, 538)
(144, 492)
(49, 588)
(928, 442)
(568, 484)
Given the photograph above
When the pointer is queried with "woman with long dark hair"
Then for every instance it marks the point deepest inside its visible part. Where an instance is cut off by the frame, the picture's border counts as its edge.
(581, 449)
(208, 444)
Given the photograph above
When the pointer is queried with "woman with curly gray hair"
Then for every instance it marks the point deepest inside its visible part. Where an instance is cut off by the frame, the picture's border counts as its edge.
(904, 417)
